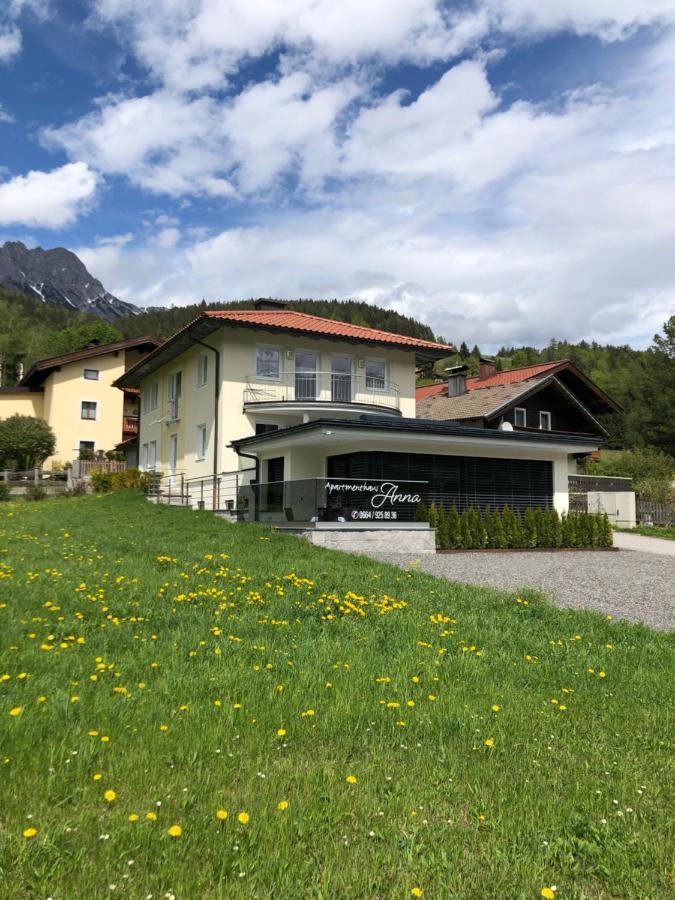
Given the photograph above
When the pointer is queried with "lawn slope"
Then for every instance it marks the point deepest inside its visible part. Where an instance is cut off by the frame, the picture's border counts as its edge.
(193, 708)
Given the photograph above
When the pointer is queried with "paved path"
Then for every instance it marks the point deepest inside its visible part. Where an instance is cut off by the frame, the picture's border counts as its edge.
(644, 544)
(639, 587)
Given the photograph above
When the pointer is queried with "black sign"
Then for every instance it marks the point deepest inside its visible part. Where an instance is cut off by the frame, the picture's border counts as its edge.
(369, 500)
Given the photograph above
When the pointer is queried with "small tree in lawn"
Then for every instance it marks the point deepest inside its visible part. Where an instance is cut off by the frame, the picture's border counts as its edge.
(556, 528)
(440, 527)
(606, 532)
(25, 442)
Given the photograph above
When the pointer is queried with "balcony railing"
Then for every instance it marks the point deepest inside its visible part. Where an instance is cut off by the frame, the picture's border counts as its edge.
(322, 387)
(130, 424)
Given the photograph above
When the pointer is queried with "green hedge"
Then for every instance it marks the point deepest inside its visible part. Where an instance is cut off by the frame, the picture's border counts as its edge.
(128, 480)
(505, 529)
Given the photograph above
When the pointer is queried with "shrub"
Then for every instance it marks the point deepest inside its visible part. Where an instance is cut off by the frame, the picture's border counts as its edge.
(4, 491)
(25, 442)
(35, 492)
(127, 480)
(475, 529)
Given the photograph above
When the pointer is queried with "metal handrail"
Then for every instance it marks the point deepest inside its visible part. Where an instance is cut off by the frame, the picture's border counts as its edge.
(322, 387)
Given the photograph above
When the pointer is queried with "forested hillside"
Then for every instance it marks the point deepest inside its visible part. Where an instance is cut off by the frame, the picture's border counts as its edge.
(642, 381)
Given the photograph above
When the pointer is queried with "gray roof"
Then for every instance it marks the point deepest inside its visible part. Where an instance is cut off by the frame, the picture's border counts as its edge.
(476, 404)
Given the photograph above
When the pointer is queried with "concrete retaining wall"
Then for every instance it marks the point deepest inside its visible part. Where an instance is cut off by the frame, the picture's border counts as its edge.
(373, 541)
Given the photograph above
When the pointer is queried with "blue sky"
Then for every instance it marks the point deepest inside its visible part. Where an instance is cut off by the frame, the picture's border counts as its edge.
(501, 169)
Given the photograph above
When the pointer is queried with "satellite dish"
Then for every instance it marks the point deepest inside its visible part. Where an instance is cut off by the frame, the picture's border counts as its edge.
(506, 426)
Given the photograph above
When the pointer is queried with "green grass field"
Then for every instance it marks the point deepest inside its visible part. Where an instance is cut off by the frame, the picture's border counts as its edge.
(663, 531)
(203, 710)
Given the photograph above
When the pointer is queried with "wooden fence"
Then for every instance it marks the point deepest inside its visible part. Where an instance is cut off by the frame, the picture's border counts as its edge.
(654, 513)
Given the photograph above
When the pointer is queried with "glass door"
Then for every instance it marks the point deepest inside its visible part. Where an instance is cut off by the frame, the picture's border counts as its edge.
(341, 379)
(305, 375)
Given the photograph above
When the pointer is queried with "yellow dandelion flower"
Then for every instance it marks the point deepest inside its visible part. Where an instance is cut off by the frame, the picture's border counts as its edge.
(97, 776)
(163, 727)
(601, 674)
(133, 817)
(489, 742)
(221, 815)
(416, 891)
(151, 816)
(495, 707)
(307, 712)
(16, 711)
(281, 732)
(243, 818)
(282, 805)
(174, 831)
(30, 832)
(109, 796)
(547, 893)
(351, 779)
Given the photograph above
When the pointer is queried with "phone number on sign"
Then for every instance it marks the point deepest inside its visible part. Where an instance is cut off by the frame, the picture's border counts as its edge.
(361, 514)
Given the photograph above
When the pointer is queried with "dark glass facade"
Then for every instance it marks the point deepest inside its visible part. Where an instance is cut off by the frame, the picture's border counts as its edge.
(461, 481)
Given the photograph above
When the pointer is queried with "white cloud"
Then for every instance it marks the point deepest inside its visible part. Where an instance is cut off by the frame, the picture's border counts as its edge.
(10, 34)
(47, 199)
(10, 42)
(5, 117)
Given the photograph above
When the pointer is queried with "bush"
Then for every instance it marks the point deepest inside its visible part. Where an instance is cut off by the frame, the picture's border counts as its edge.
(652, 471)
(505, 529)
(4, 491)
(25, 442)
(35, 492)
(128, 480)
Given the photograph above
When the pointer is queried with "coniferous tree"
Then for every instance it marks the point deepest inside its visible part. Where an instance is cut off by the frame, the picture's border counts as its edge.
(452, 529)
(529, 529)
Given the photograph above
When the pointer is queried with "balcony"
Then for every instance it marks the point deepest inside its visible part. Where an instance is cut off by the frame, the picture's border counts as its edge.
(129, 425)
(307, 389)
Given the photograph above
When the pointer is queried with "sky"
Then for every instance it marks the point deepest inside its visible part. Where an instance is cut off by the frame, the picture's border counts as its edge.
(503, 170)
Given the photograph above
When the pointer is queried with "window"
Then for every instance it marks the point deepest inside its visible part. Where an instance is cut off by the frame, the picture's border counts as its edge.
(200, 452)
(144, 456)
(91, 374)
(376, 373)
(202, 370)
(87, 446)
(275, 469)
(152, 454)
(175, 386)
(545, 421)
(150, 398)
(88, 409)
(267, 361)
(520, 417)
(265, 427)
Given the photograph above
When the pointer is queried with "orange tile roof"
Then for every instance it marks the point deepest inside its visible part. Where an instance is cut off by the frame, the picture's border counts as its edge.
(474, 383)
(288, 320)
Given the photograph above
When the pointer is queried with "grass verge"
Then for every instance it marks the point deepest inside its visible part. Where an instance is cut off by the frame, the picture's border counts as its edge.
(194, 708)
(661, 531)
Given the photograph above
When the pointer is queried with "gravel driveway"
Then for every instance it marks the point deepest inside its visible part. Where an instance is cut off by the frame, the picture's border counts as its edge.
(639, 587)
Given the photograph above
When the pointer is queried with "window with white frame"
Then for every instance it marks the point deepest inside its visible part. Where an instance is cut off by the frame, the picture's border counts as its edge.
(150, 398)
(202, 369)
(520, 417)
(376, 374)
(200, 453)
(544, 420)
(152, 454)
(267, 362)
(144, 456)
(175, 391)
(88, 409)
(91, 374)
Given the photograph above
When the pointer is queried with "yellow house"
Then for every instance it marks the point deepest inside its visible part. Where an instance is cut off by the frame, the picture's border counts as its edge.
(282, 416)
(74, 394)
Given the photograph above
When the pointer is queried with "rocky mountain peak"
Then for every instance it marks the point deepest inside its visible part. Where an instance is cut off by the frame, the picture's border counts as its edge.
(58, 276)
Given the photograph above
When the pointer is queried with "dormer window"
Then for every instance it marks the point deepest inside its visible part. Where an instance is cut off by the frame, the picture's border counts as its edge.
(520, 417)
(545, 421)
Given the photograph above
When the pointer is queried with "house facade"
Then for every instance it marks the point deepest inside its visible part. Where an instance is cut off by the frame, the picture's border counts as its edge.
(302, 419)
(74, 394)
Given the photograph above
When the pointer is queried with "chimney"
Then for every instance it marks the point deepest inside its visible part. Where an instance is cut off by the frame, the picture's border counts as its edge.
(486, 369)
(267, 304)
(457, 380)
